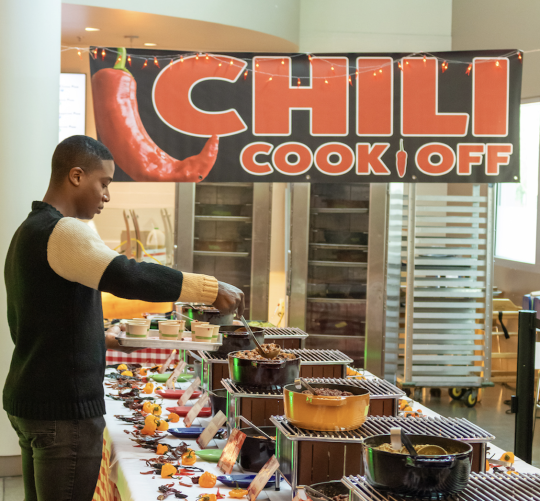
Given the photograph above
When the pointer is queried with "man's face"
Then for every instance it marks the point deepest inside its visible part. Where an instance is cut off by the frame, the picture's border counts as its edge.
(94, 190)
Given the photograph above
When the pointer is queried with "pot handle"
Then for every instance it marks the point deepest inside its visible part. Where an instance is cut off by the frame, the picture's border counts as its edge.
(435, 462)
(326, 401)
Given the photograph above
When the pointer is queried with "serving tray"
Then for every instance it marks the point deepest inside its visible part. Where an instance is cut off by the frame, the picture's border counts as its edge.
(153, 341)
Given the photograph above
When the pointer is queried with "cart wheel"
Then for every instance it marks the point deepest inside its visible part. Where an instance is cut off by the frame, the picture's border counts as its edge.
(435, 392)
(456, 393)
(470, 398)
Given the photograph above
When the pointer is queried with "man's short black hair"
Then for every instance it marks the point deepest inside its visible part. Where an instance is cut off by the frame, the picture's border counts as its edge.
(77, 151)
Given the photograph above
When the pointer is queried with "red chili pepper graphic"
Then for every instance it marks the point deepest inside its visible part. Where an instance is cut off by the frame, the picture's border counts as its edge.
(120, 128)
(401, 159)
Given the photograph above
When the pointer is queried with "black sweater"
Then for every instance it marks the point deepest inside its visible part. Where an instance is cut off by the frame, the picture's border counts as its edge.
(55, 268)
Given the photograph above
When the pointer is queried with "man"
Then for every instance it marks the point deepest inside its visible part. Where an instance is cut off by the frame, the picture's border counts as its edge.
(55, 268)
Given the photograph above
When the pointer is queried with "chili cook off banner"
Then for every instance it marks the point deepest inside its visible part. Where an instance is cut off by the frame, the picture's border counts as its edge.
(331, 118)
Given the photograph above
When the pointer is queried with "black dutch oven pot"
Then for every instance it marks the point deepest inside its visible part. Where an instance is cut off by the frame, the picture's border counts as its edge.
(255, 452)
(218, 401)
(421, 476)
(236, 341)
(263, 372)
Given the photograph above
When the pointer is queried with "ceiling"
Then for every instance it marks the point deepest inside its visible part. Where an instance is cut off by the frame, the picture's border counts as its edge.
(165, 31)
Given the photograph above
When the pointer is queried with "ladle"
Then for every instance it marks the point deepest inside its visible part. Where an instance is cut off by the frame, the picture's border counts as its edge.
(307, 386)
(258, 430)
(271, 354)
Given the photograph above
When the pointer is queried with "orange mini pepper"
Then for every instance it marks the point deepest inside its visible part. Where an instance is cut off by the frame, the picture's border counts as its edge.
(122, 367)
(161, 449)
(151, 419)
(189, 458)
(127, 373)
(149, 428)
(147, 406)
(142, 371)
(173, 418)
(207, 497)
(207, 480)
(149, 388)
(238, 493)
(156, 410)
(162, 425)
(167, 470)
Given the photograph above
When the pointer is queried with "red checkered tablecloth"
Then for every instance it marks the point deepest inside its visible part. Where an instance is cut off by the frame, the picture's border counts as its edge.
(106, 490)
(146, 356)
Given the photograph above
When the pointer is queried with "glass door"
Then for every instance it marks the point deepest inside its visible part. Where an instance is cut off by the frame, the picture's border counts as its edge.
(223, 230)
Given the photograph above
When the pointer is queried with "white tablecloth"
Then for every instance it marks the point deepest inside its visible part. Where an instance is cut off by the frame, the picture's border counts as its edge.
(126, 463)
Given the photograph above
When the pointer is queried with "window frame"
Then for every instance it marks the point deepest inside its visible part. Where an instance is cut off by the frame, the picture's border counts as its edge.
(508, 263)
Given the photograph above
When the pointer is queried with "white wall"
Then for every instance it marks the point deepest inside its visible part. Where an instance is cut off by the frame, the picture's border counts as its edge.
(29, 95)
(375, 25)
(499, 24)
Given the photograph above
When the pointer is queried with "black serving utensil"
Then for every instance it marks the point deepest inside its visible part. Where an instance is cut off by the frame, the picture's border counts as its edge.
(398, 438)
(408, 444)
(258, 430)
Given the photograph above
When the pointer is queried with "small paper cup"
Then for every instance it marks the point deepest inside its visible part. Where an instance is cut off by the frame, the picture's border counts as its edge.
(136, 329)
(215, 334)
(172, 322)
(145, 321)
(203, 333)
(197, 322)
(168, 331)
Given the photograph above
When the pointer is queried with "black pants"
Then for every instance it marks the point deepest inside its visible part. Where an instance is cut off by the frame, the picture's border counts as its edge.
(61, 459)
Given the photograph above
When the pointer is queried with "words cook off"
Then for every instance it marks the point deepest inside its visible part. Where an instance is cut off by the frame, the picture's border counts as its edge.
(442, 117)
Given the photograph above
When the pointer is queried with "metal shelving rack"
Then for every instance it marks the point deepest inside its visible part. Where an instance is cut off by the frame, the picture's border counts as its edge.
(223, 230)
(448, 292)
(332, 229)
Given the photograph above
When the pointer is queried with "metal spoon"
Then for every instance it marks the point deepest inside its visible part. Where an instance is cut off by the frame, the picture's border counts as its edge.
(270, 354)
(182, 315)
(307, 386)
(258, 430)
(316, 493)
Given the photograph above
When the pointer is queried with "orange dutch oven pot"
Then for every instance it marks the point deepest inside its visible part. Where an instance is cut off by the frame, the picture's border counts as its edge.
(326, 413)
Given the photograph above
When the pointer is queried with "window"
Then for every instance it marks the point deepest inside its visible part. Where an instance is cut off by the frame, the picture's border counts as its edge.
(517, 203)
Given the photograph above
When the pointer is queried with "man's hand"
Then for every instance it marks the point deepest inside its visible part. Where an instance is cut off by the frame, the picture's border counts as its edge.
(229, 299)
(112, 344)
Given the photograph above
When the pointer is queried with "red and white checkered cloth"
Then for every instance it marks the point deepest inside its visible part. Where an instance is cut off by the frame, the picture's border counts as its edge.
(106, 489)
(146, 356)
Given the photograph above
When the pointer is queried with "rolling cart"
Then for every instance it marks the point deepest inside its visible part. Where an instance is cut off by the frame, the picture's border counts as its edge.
(448, 294)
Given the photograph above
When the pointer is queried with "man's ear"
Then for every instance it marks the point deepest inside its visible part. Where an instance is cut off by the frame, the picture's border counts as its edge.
(75, 175)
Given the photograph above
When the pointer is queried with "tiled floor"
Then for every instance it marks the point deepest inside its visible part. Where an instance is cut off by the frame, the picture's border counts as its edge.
(11, 489)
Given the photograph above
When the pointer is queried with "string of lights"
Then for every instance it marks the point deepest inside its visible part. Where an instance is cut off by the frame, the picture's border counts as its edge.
(351, 72)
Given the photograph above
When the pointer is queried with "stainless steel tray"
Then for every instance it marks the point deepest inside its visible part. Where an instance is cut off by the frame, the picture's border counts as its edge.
(153, 341)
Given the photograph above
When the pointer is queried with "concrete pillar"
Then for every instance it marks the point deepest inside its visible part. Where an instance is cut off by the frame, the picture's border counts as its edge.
(30, 33)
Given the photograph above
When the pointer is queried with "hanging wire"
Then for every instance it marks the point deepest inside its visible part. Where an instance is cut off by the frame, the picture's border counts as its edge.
(242, 63)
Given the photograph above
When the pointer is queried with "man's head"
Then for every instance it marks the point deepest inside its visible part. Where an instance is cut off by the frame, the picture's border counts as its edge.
(82, 169)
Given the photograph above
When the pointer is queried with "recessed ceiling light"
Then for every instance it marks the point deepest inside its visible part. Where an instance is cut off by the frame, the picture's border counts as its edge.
(148, 44)
(91, 29)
